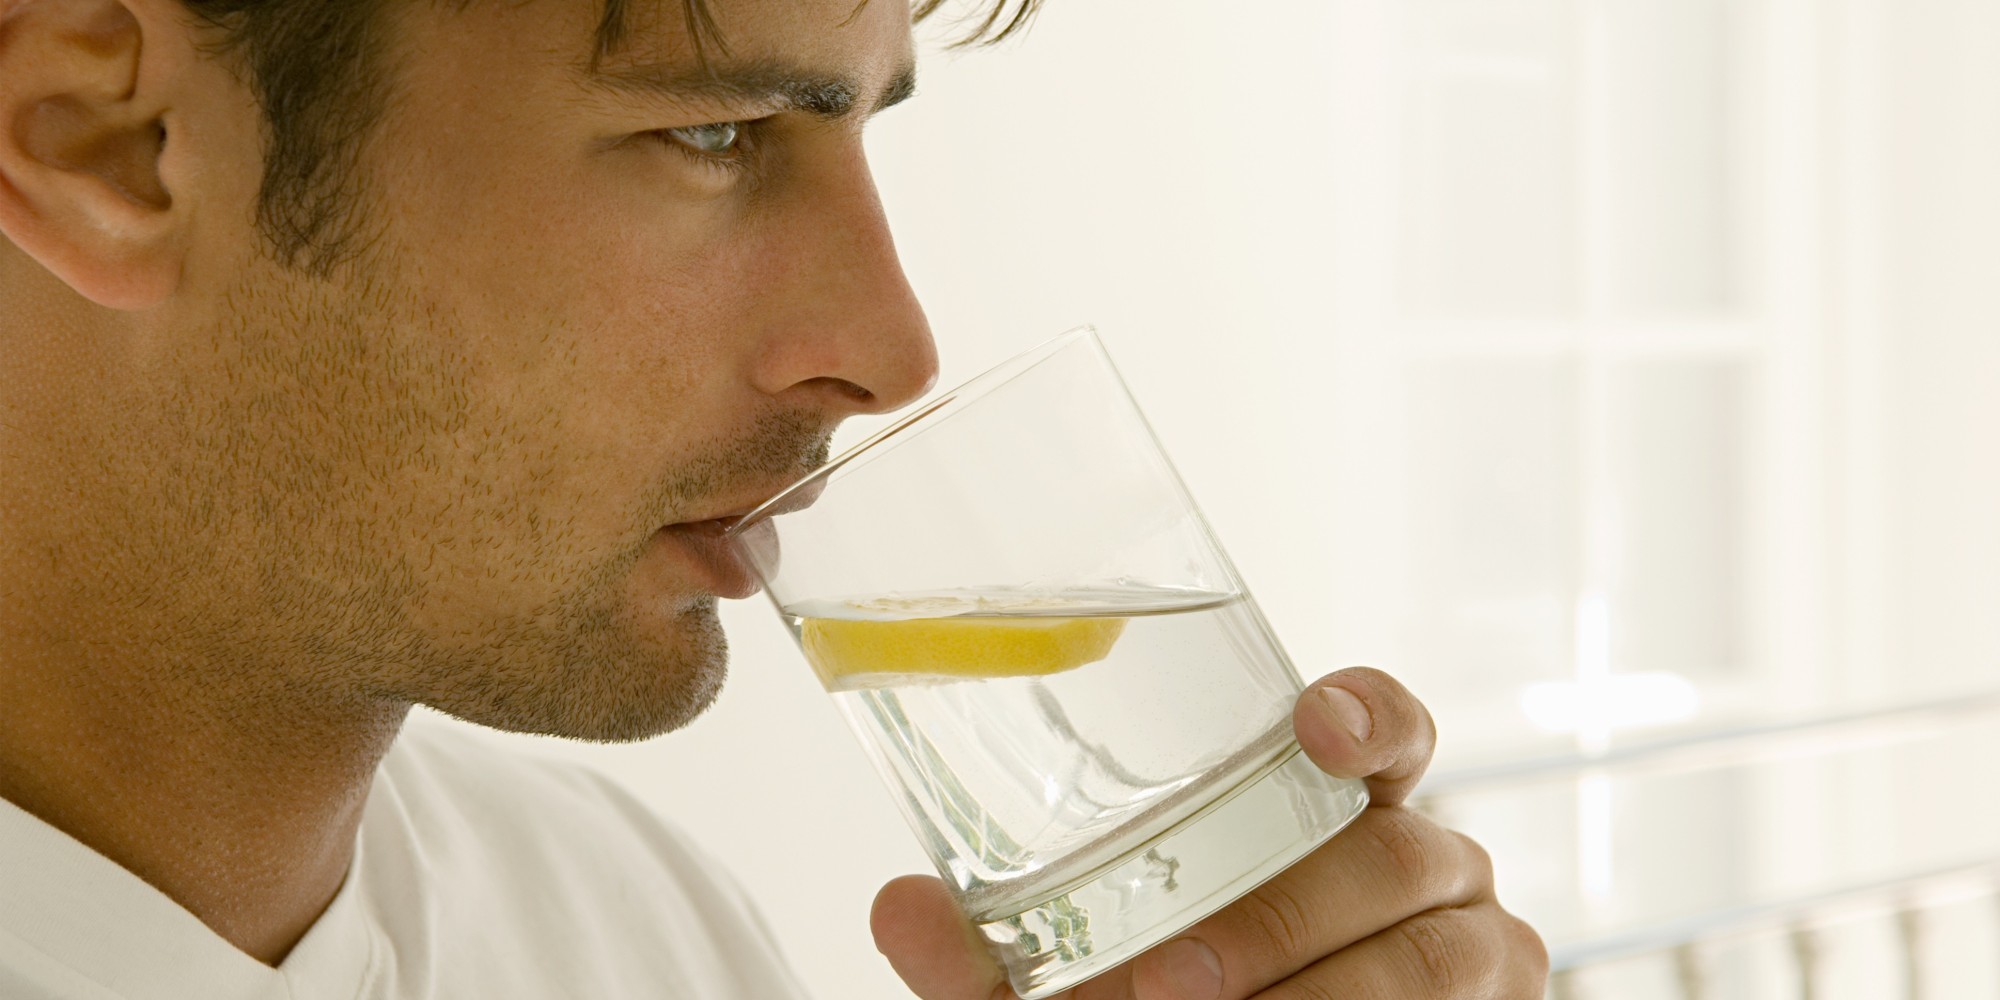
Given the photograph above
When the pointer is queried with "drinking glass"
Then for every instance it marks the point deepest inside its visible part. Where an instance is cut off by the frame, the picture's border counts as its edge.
(1049, 658)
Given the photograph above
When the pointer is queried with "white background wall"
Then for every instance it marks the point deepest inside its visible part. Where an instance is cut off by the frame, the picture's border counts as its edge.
(1503, 342)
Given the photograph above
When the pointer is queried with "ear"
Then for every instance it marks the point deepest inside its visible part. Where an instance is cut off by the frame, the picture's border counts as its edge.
(84, 123)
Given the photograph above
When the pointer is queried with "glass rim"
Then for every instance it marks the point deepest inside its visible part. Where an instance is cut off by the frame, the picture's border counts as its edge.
(925, 417)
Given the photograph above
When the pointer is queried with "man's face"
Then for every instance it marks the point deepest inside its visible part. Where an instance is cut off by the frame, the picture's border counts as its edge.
(468, 469)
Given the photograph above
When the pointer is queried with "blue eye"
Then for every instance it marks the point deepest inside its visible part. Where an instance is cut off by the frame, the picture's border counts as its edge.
(715, 139)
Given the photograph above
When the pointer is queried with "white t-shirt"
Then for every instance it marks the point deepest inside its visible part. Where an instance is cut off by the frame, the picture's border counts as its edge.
(478, 875)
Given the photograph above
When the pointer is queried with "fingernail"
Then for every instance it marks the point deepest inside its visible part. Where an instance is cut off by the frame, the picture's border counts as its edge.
(1193, 969)
(1347, 710)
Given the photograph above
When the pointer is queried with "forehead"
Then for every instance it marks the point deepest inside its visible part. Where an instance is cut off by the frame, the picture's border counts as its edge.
(534, 65)
(520, 48)
(852, 34)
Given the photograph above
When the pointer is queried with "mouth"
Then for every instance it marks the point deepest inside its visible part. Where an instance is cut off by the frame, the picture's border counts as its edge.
(717, 526)
(716, 565)
(711, 550)
(795, 497)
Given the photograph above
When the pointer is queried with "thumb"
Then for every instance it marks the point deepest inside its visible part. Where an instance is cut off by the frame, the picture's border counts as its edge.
(931, 945)
(1361, 723)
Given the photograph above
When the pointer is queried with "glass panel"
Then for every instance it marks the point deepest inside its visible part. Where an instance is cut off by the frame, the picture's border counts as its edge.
(1488, 218)
(1679, 504)
(1492, 515)
(1675, 845)
(1666, 124)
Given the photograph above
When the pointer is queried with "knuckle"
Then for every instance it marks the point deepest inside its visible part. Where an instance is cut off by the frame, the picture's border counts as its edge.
(1307, 988)
(1407, 845)
(1478, 865)
(1279, 919)
(1530, 952)
(1311, 989)
(1442, 951)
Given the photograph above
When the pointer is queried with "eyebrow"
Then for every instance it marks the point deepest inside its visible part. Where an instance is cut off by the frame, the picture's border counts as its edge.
(817, 94)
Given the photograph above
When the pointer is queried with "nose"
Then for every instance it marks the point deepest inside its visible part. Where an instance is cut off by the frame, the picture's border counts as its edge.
(847, 335)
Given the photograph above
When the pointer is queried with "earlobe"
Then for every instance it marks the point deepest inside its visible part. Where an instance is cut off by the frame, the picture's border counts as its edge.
(81, 140)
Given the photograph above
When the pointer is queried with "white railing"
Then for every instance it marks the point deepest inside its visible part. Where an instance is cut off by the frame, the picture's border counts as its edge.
(1932, 925)
(1729, 746)
(1802, 921)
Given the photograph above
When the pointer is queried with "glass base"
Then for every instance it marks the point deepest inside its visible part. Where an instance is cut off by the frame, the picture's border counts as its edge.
(1165, 885)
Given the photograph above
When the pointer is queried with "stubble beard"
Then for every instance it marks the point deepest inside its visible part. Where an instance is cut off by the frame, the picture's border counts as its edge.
(294, 495)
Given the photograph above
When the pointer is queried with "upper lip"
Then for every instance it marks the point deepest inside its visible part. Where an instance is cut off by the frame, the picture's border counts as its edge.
(727, 520)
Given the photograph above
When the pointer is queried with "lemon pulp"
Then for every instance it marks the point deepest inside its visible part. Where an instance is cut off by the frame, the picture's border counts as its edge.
(849, 653)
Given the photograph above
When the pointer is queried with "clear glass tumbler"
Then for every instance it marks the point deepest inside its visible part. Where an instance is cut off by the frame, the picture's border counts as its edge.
(1080, 709)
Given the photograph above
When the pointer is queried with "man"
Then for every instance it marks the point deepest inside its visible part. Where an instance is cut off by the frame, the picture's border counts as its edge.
(368, 353)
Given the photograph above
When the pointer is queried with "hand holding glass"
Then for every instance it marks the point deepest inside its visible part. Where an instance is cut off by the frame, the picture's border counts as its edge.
(1083, 714)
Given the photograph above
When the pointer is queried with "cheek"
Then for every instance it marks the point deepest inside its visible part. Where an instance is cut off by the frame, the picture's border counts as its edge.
(634, 335)
(608, 311)
(610, 357)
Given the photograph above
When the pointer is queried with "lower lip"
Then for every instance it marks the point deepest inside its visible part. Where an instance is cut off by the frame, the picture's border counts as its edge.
(717, 567)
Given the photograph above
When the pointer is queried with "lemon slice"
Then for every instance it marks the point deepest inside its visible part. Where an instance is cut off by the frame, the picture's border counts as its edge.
(850, 653)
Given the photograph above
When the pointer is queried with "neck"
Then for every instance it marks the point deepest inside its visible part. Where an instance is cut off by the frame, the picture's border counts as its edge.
(243, 813)
(147, 713)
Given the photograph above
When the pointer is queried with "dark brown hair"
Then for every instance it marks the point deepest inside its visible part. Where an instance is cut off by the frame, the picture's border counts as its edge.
(316, 70)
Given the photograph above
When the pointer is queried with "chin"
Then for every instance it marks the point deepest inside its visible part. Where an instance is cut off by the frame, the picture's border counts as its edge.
(604, 685)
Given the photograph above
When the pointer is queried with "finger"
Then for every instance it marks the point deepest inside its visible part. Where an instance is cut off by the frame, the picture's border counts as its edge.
(1389, 866)
(1361, 723)
(1478, 952)
(931, 945)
